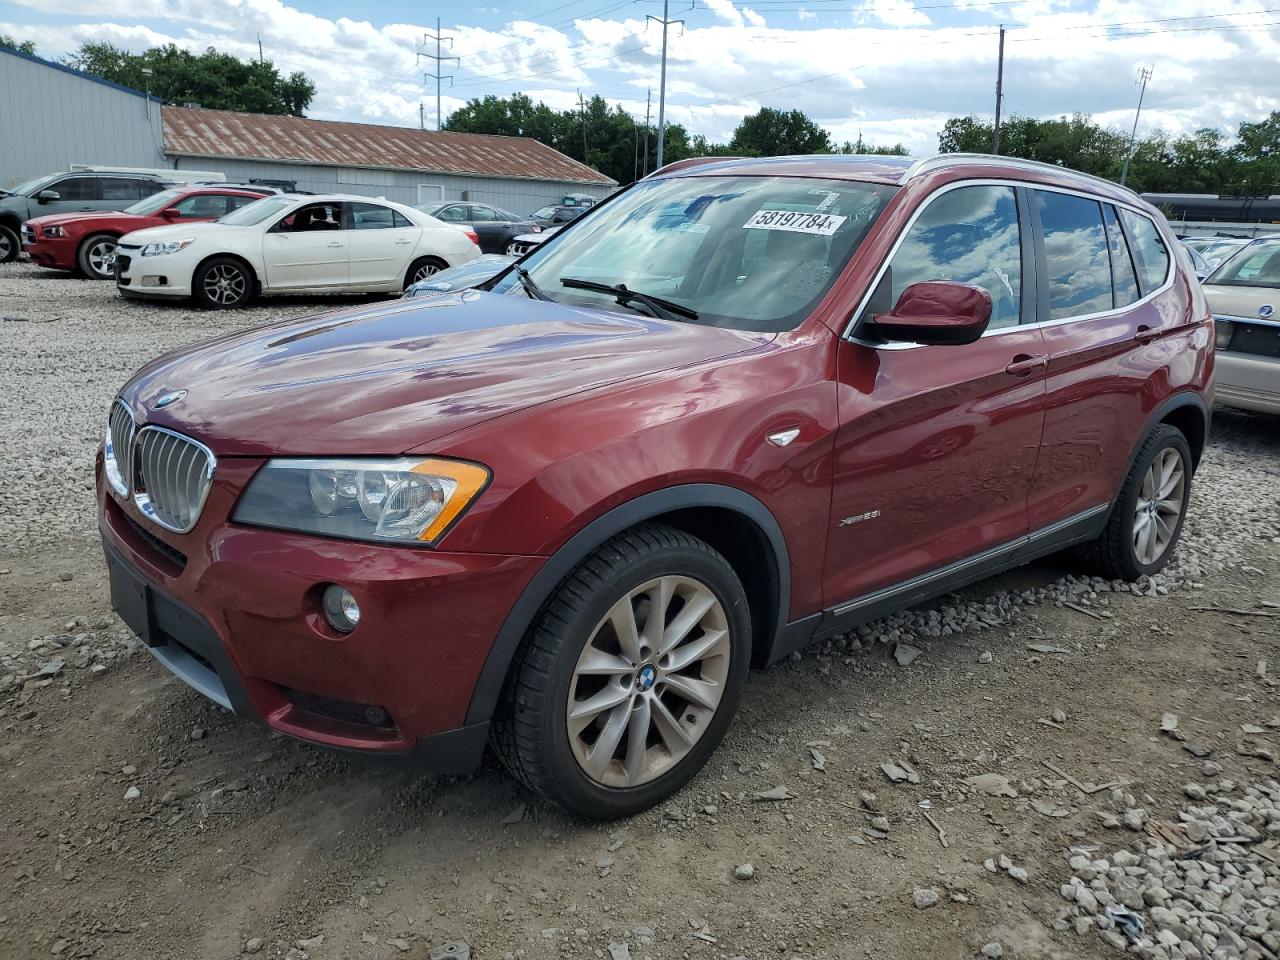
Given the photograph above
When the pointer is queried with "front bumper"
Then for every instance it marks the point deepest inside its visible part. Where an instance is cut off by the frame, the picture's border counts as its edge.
(1248, 381)
(234, 612)
(164, 276)
(55, 254)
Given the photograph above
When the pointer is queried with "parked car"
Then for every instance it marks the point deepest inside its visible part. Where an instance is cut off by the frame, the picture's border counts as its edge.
(480, 270)
(1222, 248)
(556, 215)
(744, 405)
(1199, 264)
(521, 245)
(492, 225)
(1244, 294)
(290, 244)
(87, 241)
(75, 192)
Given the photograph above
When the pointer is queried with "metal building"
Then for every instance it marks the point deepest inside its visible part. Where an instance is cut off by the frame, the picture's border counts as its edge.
(399, 163)
(52, 116)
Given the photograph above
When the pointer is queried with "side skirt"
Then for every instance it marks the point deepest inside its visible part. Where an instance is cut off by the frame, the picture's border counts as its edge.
(1079, 528)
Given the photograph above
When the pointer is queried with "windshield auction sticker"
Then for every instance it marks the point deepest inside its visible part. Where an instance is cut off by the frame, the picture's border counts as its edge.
(821, 224)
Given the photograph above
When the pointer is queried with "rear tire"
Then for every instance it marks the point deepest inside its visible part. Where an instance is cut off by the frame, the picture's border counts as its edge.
(97, 257)
(422, 268)
(607, 712)
(9, 243)
(1146, 520)
(222, 283)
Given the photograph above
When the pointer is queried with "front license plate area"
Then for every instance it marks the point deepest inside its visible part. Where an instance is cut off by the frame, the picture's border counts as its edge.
(131, 599)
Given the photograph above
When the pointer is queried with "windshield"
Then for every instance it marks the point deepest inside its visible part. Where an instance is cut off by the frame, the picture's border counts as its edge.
(258, 211)
(154, 202)
(751, 253)
(544, 212)
(32, 187)
(1257, 265)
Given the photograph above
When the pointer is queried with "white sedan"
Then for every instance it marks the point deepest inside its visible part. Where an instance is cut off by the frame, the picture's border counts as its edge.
(290, 244)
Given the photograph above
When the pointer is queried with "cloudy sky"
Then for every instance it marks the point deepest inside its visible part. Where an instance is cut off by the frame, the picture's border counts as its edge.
(892, 70)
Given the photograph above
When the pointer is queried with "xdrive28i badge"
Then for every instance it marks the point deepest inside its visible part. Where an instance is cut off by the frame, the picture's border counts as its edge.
(170, 398)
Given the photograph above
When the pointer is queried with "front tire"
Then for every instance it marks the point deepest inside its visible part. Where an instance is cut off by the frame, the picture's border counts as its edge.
(97, 257)
(9, 244)
(611, 708)
(1147, 518)
(222, 283)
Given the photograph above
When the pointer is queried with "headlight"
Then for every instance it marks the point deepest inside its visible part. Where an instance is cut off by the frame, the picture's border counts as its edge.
(166, 246)
(404, 500)
(54, 232)
(1222, 330)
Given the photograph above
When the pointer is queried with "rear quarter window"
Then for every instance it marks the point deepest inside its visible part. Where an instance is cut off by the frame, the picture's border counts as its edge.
(1150, 255)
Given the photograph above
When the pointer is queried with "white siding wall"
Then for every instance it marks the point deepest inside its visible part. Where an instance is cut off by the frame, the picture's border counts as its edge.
(50, 119)
(518, 196)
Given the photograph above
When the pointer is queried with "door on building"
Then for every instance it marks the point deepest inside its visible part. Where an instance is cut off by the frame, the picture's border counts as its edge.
(380, 243)
(430, 193)
(307, 248)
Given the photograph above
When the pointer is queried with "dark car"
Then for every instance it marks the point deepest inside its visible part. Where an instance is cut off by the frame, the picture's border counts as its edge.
(745, 405)
(480, 270)
(75, 192)
(556, 215)
(494, 226)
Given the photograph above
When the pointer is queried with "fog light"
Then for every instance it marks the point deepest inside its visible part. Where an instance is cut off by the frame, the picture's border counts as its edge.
(154, 280)
(340, 608)
(376, 716)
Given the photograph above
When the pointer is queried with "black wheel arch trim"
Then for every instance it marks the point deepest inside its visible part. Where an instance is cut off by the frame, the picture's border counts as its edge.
(1184, 398)
(488, 688)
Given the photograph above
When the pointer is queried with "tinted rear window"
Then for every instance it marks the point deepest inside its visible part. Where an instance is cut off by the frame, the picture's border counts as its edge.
(1076, 258)
(1149, 252)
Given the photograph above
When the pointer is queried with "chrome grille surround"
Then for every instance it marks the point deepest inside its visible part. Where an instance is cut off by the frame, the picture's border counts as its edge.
(117, 456)
(171, 477)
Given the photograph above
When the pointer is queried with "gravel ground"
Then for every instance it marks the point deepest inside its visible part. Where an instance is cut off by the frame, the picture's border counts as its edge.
(925, 787)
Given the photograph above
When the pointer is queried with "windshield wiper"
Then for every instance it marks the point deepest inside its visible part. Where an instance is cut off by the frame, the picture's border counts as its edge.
(664, 309)
(526, 281)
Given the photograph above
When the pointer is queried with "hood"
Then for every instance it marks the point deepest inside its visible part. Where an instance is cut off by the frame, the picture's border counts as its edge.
(175, 231)
(1242, 301)
(61, 219)
(385, 379)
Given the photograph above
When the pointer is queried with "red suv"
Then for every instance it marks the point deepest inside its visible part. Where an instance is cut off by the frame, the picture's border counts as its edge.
(87, 241)
(741, 405)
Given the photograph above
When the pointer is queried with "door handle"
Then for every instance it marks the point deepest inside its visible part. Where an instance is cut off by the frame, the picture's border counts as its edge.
(400, 243)
(1146, 334)
(1023, 364)
(335, 243)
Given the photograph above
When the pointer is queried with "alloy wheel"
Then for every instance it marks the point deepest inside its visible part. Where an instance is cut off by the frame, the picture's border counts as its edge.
(225, 284)
(424, 271)
(6, 246)
(648, 682)
(102, 258)
(1159, 506)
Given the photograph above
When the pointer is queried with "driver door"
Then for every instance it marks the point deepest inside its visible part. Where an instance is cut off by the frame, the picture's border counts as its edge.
(937, 445)
(307, 249)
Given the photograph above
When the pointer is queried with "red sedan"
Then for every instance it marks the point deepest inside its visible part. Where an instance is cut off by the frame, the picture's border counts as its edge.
(87, 241)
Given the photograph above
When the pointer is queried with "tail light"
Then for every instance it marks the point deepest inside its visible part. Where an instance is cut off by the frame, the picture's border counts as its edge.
(473, 236)
(535, 229)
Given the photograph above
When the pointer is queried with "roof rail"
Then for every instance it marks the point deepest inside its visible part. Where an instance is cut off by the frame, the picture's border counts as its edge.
(943, 160)
(689, 162)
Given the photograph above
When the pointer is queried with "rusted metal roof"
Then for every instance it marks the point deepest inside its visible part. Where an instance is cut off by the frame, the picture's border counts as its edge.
(195, 132)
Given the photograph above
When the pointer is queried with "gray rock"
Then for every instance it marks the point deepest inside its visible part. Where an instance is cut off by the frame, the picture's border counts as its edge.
(253, 945)
(457, 950)
(992, 951)
(744, 871)
(924, 897)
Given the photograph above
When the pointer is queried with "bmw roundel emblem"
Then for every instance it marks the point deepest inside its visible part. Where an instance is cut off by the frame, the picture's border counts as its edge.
(1266, 311)
(646, 678)
(170, 398)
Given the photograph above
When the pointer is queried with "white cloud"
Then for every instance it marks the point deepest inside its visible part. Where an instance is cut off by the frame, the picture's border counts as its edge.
(896, 13)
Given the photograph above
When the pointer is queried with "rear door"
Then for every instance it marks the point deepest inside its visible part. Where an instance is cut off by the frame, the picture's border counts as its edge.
(381, 242)
(307, 248)
(1105, 340)
(937, 445)
(491, 227)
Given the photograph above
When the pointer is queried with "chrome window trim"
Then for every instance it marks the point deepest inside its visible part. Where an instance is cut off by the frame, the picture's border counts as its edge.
(143, 500)
(940, 161)
(1170, 271)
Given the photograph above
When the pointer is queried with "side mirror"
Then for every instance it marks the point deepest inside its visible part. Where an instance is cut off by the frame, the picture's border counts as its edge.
(170, 213)
(44, 196)
(938, 312)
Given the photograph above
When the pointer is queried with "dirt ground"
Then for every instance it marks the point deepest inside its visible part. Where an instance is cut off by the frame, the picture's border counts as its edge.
(240, 835)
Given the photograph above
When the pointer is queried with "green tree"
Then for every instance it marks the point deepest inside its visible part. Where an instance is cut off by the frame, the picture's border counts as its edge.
(22, 46)
(1256, 156)
(215, 80)
(775, 133)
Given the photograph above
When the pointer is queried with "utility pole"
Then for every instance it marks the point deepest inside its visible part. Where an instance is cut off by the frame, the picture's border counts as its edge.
(1143, 76)
(582, 114)
(644, 166)
(259, 49)
(995, 136)
(439, 59)
(422, 117)
(662, 83)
